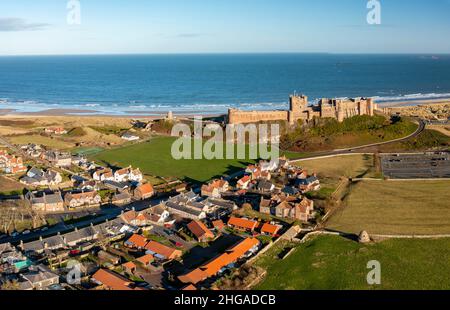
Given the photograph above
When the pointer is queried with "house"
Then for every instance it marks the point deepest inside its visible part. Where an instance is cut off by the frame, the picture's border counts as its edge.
(243, 182)
(39, 177)
(243, 249)
(45, 202)
(108, 257)
(83, 199)
(200, 231)
(121, 198)
(116, 186)
(129, 267)
(311, 183)
(265, 206)
(268, 166)
(38, 278)
(265, 186)
(304, 210)
(11, 164)
(55, 130)
(80, 235)
(121, 175)
(160, 216)
(218, 225)
(161, 251)
(242, 224)
(184, 211)
(58, 159)
(290, 191)
(144, 191)
(130, 137)
(270, 229)
(135, 218)
(105, 174)
(136, 241)
(146, 260)
(215, 188)
(110, 280)
(283, 209)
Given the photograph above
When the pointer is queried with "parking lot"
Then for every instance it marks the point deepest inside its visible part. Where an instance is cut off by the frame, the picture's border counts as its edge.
(416, 166)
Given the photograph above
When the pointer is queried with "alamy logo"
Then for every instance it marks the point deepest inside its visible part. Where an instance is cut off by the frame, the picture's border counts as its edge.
(374, 14)
(374, 275)
(232, 142)
(74, 274)
(74, 12)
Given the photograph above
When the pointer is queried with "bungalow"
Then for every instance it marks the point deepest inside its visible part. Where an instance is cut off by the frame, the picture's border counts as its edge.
(161, 251)
(83, 199)
(200, 231)
(242, 224)
(242, 249)
(129, 267)
(45, 202)
(146, 260)
(243, 182)
(110, 280)
(136, 241)
(144, 191)
(270, 229)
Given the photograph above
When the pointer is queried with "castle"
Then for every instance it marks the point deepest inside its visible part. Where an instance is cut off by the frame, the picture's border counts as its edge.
(339, 109)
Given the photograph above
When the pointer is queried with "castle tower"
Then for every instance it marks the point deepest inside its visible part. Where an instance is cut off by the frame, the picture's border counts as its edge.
(298, 103)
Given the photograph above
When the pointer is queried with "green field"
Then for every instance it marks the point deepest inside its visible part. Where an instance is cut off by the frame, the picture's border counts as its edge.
(335, 263)
(154, 158)
(395, 207)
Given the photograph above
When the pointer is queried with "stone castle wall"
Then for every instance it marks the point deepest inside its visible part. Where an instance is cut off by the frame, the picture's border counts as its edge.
(299, 109)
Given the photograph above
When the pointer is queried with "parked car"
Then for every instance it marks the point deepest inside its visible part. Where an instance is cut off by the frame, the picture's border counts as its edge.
(26, 232)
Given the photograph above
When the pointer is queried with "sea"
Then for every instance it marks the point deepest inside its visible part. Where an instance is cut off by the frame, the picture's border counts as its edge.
(212, 83)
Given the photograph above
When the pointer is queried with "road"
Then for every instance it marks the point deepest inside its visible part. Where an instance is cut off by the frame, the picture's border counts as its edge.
(420, 129)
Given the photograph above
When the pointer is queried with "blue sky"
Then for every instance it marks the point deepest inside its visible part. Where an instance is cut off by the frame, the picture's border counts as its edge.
(223, 26)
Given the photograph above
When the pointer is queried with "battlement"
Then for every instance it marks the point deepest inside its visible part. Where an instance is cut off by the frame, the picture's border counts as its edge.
(299, 109)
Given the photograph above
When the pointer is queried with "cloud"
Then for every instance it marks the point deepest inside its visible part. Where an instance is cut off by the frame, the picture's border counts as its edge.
(19, 24)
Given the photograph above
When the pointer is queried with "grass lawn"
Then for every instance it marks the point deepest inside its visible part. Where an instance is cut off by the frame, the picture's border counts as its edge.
(395, 207)
(57, 144)
(154, 158)
(335, 263)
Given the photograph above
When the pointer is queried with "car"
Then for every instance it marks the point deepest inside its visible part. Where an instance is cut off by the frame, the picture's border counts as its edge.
(169, 232)
(44, 229)
(26, 232)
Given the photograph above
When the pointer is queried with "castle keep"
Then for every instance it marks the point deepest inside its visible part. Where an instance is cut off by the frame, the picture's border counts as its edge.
(299, 109)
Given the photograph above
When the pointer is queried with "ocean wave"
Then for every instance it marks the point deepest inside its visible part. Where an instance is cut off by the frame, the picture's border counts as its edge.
(409, 97)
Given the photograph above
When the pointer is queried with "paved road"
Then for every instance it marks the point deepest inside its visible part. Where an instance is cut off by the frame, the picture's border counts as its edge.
(419, 130)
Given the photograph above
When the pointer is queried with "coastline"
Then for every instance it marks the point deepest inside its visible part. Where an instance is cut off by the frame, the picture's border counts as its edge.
(14, 113)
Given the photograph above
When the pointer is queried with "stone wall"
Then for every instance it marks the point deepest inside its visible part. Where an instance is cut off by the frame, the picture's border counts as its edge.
(299, 109)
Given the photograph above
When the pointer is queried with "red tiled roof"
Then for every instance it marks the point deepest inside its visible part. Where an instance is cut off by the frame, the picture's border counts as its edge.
(111, 280)
(163, 250)
(242, 223)
(138, 240)
(145, 189)
(200, 230)
(146, 259)
(215, 265)
(218, 224)
(270, 229)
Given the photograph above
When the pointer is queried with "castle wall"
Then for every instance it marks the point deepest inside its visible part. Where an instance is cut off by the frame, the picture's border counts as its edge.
(339, 109)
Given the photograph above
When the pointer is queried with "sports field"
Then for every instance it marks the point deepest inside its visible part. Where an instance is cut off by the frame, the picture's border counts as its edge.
(335, 263)
(154, 158)
(395, 207)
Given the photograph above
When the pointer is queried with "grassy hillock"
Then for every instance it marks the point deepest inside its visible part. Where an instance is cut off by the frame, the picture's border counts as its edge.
(335, 263)
(329, 134)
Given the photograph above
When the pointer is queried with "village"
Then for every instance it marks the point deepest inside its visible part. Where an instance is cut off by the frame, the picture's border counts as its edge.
(133, 237)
